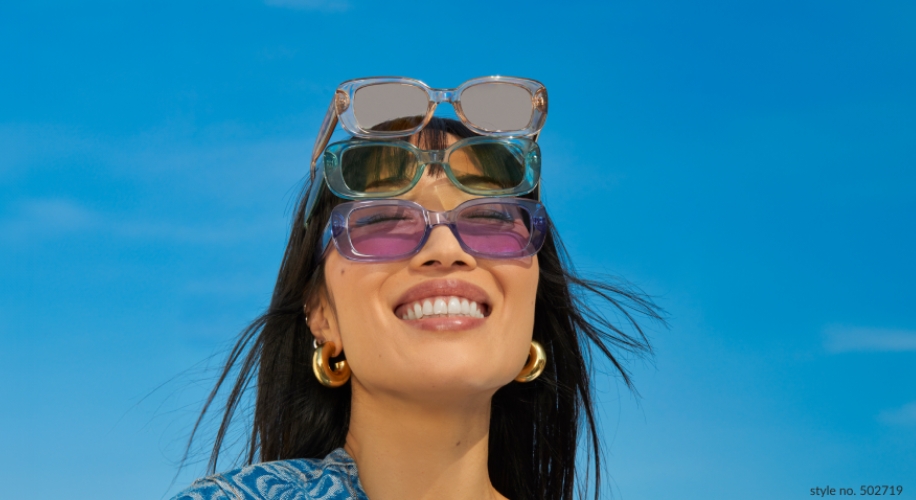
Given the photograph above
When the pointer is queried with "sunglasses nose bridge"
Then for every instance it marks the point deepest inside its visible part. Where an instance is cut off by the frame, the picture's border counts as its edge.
(437, 218)
(440, 96)
(430, 157)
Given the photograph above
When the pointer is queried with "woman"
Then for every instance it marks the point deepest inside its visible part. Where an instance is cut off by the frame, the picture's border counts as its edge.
(436, 405)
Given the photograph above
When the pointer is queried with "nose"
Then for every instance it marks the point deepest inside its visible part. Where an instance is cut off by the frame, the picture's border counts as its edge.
(442, 252)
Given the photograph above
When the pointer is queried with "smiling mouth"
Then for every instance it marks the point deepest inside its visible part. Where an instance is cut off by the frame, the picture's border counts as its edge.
(442, 307)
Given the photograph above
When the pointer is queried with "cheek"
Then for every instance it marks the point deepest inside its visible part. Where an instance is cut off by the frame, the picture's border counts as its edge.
(513, 334)
(351, 288)
(520, 285)
(355, 292)
(366, 325)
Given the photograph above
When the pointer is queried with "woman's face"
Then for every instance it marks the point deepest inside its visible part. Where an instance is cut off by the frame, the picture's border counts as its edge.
(433, 357)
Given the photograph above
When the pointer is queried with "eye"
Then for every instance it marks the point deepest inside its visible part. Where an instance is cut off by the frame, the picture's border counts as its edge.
(379, 218)
(488, 214)
(376, 217)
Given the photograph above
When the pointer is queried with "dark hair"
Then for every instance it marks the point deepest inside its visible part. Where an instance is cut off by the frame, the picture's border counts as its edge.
(534, 427)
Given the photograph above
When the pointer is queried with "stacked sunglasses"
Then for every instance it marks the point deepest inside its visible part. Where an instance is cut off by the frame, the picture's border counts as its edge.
(377, 164)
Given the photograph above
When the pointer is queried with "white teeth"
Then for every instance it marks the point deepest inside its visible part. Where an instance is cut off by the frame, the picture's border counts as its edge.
(454, 306)
(442, 307)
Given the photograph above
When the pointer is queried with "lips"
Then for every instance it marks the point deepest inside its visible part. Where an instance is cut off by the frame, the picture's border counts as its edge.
(443, 299)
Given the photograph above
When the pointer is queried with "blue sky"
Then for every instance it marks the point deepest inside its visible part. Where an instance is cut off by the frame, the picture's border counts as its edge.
(749, 164)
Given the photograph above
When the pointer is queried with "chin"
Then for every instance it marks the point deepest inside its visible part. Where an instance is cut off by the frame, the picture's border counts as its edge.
(455, 382)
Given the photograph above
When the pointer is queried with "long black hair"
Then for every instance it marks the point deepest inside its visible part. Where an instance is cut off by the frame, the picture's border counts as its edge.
(534, 427)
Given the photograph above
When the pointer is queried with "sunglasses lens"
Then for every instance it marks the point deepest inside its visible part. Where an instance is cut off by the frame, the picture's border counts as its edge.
(488, 166)
(497, 107)
(495, 229)
(386, 230)
(378, 168)
(391, 107)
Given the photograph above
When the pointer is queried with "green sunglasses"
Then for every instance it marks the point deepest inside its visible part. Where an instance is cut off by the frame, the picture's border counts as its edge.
(481, 166)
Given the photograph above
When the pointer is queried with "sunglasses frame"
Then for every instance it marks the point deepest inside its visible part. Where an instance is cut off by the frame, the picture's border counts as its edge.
(337, 229)
(527, 149)
(341, 109)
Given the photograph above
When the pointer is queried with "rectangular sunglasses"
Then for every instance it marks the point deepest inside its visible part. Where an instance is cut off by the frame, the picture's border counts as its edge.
(389, 107)
(392, 229)
(482, 166)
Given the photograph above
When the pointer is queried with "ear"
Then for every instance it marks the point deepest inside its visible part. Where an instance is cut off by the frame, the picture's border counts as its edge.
(322, 320)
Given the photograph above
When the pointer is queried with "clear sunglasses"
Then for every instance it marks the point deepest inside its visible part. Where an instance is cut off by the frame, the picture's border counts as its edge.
(393, 229)
(390, 107)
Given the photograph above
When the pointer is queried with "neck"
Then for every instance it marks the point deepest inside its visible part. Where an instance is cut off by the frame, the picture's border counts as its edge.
(407, 449)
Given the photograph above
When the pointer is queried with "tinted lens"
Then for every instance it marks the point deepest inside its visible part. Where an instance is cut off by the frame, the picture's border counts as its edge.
(378, 168)
(393, 107)
(488, 166)
(497, 106)
(386, 230)
(495, 228)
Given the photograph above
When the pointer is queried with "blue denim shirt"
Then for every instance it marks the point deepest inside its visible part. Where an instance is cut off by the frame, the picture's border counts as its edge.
(332, 478)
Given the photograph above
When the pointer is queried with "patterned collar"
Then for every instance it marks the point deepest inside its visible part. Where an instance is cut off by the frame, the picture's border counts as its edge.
(334, 477)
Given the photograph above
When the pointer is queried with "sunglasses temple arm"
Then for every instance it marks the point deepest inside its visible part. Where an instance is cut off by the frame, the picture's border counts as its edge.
(315, 188)
(538, 187)
(324, 135)
(324, 242)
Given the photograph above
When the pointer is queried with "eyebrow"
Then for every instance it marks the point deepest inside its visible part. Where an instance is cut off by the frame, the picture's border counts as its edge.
(390, 181)
(482, 179)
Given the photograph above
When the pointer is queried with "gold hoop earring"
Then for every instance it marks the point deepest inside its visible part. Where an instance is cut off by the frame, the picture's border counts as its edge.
(335, 376)
(537, 361)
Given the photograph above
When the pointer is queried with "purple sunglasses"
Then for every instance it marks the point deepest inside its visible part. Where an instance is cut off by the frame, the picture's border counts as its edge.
(391, 229)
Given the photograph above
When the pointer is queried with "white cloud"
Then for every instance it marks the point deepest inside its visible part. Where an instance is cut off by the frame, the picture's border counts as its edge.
(36, 219)
(59, 214)
(839, 339)
(46, 217)
(195, 234)
(320, 5)
(27, 145)
(218, 185)
(905, 415)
